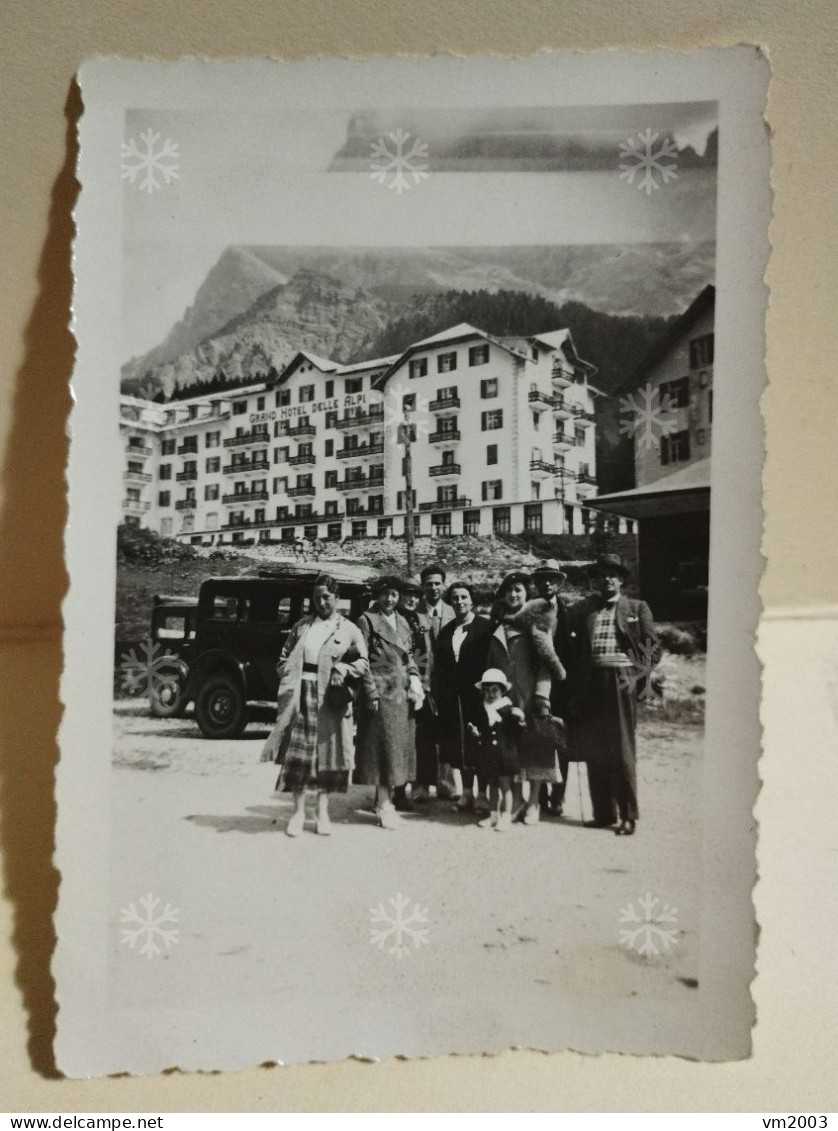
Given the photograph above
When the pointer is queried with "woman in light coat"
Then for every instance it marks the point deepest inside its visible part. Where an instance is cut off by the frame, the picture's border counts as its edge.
(386, 741)
(323, 656)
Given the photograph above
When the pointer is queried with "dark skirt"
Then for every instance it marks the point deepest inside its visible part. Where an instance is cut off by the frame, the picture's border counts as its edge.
(299, 766)
(606, 741)
(457, 748)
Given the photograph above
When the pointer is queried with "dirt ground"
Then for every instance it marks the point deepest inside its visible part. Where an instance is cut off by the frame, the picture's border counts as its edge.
(519, 927)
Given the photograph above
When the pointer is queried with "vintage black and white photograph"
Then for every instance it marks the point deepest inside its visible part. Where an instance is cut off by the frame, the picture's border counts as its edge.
(402, 392)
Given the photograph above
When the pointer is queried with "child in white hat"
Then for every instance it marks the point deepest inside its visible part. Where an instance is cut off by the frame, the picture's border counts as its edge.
(497, 733)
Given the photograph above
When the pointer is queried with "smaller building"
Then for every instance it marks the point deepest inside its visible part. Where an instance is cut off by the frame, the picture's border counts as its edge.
(670, 491)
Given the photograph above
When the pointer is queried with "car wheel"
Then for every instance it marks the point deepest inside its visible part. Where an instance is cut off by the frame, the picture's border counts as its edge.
(167, 700)
(220, 708)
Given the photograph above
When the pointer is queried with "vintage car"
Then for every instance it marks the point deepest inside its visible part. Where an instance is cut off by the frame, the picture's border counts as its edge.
(240, 626)
(173, 630)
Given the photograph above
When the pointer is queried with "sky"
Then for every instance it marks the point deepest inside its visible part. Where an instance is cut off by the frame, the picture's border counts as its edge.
(267, 181)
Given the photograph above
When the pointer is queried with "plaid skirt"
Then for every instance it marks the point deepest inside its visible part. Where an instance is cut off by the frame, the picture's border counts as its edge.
(299, 765)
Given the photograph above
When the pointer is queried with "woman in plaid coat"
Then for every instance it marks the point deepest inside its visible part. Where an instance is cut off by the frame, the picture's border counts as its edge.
(323, 656)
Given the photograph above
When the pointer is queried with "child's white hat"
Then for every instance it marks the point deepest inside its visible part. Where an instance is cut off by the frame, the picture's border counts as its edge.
(493, 675)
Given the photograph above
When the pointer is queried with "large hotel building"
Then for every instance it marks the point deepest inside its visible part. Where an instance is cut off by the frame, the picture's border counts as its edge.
(503, 441)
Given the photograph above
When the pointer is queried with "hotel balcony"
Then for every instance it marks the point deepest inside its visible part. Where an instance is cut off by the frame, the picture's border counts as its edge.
(445, 436)
(239, 523)
(186, 504)
(561, 409)
(362, 451)
(307, 460)
(139, 450)
(360, 483)
(302, 492)
(246, 468)
(445, 504)
(562, 378)
(187, 450)
(135, 506)
(541, 468)
(297, 519)
(300, 430)
(442, 404)
(585, 485)
(255, 436)
(375, 415)
(583, 418)
(540, 401)
(186, 476)
(444, 469)
(244, 497)
(136, 477)
(564, 440)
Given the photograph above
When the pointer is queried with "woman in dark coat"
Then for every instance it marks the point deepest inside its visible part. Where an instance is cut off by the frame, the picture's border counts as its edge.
(459, 663)
(385, 744)
(427, 770)
(516, 655)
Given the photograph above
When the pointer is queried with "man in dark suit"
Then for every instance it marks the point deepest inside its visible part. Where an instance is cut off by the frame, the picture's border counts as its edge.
(617, 646)
(432, 579)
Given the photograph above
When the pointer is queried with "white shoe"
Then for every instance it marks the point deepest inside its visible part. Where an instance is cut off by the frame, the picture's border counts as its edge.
(297, 823)
(388, 818)
(488, 822)
(504, 823)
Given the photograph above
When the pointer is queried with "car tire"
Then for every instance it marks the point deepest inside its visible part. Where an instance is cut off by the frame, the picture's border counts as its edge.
(221, 708)
(168, 701)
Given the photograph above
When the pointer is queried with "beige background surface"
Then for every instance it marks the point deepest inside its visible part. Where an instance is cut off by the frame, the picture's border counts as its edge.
(41, 46)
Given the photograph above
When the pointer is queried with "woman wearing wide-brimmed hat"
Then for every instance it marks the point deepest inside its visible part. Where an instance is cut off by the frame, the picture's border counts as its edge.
(618, 646)
(386, 756)
(323, 655)
(513, 651)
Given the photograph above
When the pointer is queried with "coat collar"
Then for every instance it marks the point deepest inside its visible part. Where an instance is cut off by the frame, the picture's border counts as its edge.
(382, 626)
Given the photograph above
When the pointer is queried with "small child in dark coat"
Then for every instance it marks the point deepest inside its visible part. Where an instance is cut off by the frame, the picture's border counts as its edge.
(497, 733)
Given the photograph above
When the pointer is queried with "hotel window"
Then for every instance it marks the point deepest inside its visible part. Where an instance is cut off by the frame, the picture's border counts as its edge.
(164, 499)
(260, 404)
(448, 459)
(259, 514)
(441, 524)
(471, 522)
(479, 355)
(409, 403)
(400, 499)
(376, 504)
(449, 394)
(282, 397)
(535, 491)
(193, 411)
(377, 473)
(675, 448)
(489, 421)
(580, 437)
(491, 454)
(213, 440)
(701, 351)
(330, 447)
(536, 421)
(190, 495)
(239, 408)
(303, 510)
(310, 532)
(305, 449)
(353, 506)
(676, 392)
(189, 444)
(168, 448)
(359, 529)
(354, 384)
(447, 494)
(281, 513)
(132, 520)
(135, 466)
(419, 367)
(211, 492)
(532, 518)
(376, 438)
(305, 481)
(446, 362)
(331, 419)
(334, 532)
(491, 490)
(488, 388)
(501, 520)
(213, 464)
(165, 471)
(447, 424)
(330, 507)
(534, 353)
(331, 479)
(385, 527)
(306, 393)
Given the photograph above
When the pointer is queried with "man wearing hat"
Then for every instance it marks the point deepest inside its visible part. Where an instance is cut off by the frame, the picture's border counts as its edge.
(616, 647)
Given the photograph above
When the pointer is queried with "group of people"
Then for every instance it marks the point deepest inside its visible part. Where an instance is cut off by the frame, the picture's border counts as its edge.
(424, 692)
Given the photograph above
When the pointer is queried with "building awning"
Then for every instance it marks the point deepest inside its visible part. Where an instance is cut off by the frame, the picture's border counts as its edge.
(682, 492)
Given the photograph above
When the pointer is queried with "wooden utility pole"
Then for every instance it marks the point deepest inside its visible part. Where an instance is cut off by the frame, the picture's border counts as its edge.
(406, 434)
